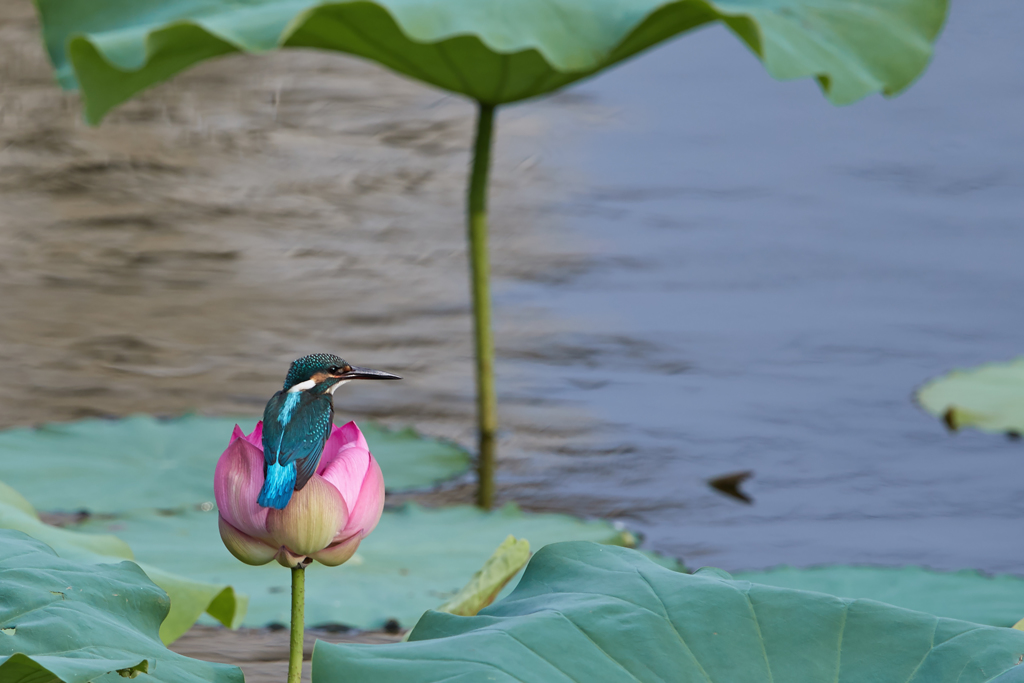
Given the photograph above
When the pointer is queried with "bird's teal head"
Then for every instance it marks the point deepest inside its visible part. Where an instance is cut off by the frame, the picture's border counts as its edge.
(325, 372)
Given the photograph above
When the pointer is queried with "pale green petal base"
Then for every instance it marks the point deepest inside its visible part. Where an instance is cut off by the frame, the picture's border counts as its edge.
(338, 553)
(311, 519)
(245, 548)
(290, 560)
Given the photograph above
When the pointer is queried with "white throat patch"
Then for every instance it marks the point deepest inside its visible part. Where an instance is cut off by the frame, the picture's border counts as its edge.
(302, 386)
(335, 387)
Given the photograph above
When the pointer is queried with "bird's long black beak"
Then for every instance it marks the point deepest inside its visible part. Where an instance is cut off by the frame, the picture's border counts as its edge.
(367, 373)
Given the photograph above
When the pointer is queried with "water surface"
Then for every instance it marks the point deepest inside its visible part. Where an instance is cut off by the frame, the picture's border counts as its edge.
(776, 277)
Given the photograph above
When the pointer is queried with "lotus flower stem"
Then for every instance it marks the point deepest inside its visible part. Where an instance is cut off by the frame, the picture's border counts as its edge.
(487, 402)
(298, 607)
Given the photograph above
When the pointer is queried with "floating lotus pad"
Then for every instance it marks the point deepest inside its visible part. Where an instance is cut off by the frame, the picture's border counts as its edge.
(189, 598)
(494, 51)
(16, 513)
(488, 581)
(989, 398)
(585, 612)
(65, 621)
(111, 466)
(415, 560)
(968, 595)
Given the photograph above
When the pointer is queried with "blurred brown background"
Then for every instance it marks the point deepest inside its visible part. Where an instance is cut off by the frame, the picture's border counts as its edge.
(179, 256)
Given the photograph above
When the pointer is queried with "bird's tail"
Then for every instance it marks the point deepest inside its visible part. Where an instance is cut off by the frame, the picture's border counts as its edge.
(278, 487)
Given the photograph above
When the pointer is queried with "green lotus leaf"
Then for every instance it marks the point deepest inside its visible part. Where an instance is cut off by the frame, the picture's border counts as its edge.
(989, 398)
(416, 559)
(67, 621)
(111, 466)
(18, 514)
(585, 612)
(494, 51)
(189, 599)
(968, 595)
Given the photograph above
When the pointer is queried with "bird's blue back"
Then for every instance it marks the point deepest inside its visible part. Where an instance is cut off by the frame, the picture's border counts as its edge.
(295, 427)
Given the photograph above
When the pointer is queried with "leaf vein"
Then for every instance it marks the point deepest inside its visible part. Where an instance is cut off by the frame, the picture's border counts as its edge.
(839, 641)
(603, 651)
(931, 646)
(760, 636)
(673, 624)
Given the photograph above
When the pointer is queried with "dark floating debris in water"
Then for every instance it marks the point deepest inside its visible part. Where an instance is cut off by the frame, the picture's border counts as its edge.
(65, 519)
(729, 484)
(392, 626)
(949, 418)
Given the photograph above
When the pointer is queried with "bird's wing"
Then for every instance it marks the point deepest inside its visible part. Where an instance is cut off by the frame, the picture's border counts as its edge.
(319, 427)
(272, 429)
(303, 436)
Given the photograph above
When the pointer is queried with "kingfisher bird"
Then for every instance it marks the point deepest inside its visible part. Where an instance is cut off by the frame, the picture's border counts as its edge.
(298, 420)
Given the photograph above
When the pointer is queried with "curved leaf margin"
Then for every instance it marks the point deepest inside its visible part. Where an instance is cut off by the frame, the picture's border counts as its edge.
(73, 622)
(599, 613)
(189, 599)
(491, 51)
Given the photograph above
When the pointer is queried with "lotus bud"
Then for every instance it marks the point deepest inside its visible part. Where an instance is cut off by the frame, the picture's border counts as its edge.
(324, 521)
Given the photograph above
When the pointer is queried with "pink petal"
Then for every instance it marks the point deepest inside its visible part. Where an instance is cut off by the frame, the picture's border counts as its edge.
(256, 438)
(365, 512)
(236, 485)
(245, 547)
(345, 462)
(346, 436)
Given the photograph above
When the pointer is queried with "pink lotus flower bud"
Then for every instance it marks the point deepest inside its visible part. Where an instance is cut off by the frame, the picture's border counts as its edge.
(324, 521)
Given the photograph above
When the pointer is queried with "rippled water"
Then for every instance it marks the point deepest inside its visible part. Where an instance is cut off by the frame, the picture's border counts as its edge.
(777, 276)
(698, 270)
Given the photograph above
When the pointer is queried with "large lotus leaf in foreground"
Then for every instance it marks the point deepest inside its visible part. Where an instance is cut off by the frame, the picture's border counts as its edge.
(111, 466)
(585, 612)
(989, 398)
(71, 622)
(189, 598)
(968, 594)
(495, 51)
(415, 560)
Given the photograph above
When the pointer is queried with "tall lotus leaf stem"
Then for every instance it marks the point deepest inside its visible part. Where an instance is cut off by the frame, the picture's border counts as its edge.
(298, 607)
(480, 272)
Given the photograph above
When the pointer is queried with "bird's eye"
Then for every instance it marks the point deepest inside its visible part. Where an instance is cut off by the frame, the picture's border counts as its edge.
(333, 369)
